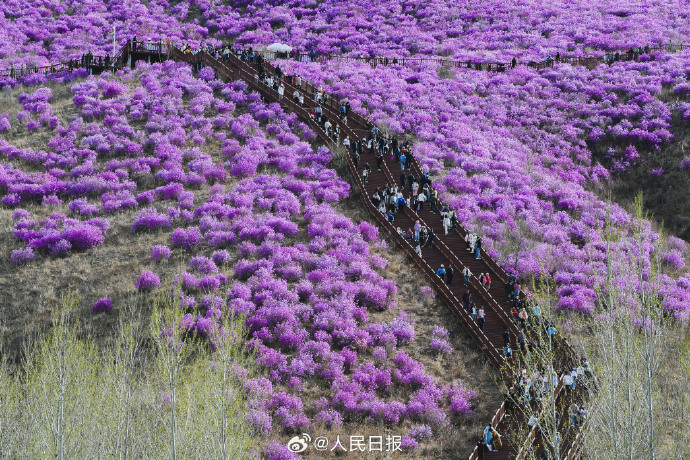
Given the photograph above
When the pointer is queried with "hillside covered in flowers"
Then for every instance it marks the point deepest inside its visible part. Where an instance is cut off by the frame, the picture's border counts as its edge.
(160, 178)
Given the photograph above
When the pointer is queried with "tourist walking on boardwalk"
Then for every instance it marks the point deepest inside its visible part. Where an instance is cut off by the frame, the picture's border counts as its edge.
(441, 272)
(402, 161)
(431, 239)
(467, 299)
(433, 202)
(471, 239)
(446, 223)
(466, 273)
(536, 314)
(488, 437)
(480, 319)
(417, 229)
(421, 198)
(487, 282)
(478, 248)
(365, 173)
(449, 275)
(496, 437)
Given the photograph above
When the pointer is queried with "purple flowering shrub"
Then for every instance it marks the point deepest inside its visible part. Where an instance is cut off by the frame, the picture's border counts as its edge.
(57, 233)
(21, 256)
(439, 340)
(160, 252)
(101, 305)
(147, 280)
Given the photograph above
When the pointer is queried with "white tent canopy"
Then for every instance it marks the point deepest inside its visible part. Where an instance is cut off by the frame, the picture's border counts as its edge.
(279, 48)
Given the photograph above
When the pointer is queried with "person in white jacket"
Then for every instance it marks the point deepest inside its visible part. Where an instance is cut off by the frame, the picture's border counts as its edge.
(466, 273)
(446, 223)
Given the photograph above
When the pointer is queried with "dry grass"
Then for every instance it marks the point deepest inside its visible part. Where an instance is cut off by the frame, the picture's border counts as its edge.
(664, 196)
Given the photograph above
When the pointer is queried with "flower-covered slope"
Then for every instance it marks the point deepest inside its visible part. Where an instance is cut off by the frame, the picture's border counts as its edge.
(244, 199)
(518, 155)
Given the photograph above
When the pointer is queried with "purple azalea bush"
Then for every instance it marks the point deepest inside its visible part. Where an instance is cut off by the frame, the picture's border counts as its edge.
(147, 280)
(101, 305)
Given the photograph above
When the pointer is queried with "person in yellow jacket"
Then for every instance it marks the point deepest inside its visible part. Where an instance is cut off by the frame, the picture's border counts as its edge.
(496, 439)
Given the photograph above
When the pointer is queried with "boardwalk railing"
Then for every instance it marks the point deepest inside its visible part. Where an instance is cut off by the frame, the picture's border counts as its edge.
(165, 49)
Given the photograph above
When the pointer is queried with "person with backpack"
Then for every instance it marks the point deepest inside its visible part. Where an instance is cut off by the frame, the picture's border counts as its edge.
(432, 238)
(488, 437)
(508, 352)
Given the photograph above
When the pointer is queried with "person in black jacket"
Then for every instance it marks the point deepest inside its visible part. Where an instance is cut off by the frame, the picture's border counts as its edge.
(506, 337)
(403, 178)
(449, 275)
(467, 299)
(432, 237)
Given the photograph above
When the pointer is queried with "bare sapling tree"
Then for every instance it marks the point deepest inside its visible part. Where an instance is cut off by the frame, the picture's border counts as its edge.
(628, 344)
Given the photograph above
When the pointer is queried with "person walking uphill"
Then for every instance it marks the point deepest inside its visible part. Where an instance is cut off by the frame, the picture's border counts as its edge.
(449, 275)
(402, 161)
(478, 248)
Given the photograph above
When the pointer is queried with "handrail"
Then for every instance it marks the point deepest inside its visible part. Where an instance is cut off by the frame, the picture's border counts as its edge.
(495, 420)
(450, 255)
(533, 432)
(578, 443)
(161, 48)
(497, 66)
